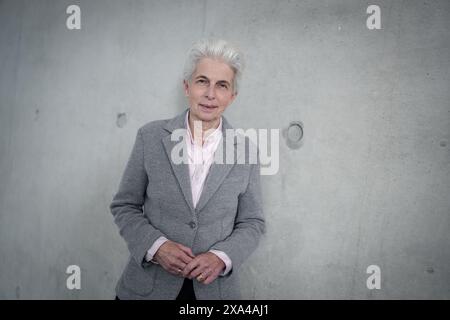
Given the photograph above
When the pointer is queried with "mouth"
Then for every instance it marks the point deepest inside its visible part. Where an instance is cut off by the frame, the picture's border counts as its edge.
(208, 108)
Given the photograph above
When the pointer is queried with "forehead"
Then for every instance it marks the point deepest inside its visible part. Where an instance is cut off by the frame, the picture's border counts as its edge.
(214, 69)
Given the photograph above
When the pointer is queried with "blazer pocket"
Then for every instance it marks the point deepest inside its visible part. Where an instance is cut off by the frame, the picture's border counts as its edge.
(139, 280)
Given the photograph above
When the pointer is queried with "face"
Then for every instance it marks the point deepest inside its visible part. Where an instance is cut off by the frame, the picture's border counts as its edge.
(210, 90)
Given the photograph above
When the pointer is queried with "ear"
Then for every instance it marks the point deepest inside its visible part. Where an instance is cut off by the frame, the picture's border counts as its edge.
(233, 97)
(186, 88)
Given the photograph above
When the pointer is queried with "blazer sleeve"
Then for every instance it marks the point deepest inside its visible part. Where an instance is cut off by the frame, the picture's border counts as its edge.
(249, 223)
(126, 206)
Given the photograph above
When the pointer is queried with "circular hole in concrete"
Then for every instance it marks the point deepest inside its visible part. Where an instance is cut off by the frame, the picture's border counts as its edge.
(295, 132)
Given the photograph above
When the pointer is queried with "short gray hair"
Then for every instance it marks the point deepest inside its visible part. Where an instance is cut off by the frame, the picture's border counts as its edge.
(215, 49)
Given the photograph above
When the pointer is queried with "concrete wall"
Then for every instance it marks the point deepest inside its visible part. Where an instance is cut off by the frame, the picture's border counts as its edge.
(370, 184)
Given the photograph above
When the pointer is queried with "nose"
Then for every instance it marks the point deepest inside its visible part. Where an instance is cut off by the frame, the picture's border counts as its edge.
(210, 94)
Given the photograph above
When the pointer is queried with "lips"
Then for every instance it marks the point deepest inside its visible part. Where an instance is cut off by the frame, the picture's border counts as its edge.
(208, 106)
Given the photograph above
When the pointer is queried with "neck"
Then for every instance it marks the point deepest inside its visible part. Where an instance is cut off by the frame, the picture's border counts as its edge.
(206, 125)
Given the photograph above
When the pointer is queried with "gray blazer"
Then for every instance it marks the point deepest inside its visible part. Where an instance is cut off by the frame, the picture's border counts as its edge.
(154, 199)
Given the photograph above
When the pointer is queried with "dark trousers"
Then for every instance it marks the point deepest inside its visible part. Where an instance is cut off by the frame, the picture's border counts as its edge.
(186, 292)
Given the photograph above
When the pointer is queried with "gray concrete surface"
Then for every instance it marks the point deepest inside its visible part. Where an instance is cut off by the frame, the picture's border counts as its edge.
(370, 184)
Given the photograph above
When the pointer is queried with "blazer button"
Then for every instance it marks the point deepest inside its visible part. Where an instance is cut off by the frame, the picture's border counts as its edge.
(192, 224)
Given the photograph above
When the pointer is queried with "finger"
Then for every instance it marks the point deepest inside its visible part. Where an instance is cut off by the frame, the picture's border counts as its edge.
(189, 267)
(205, 273)
(179, 272)
(185, 258)
(180, 267)
(197, 272)
(176, 273)
(210, 279)
(186, 250)
(213, 276)
(175, 262)
(200, 277)
(178, 259)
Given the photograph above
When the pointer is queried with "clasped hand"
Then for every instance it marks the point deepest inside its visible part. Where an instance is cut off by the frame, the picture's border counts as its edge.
(179, 260)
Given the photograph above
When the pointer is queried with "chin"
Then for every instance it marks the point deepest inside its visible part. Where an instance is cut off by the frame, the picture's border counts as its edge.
(207, 116)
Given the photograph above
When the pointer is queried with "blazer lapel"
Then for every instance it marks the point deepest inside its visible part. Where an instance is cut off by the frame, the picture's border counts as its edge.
(218, 171)
(181, 171)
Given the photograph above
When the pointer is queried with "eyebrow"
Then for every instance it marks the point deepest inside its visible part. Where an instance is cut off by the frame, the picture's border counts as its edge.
(202, 76)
